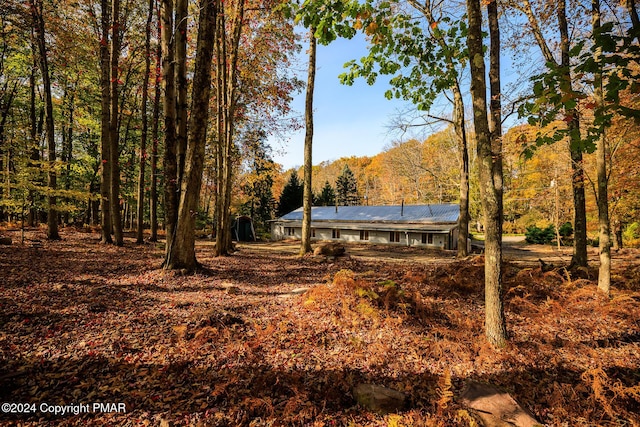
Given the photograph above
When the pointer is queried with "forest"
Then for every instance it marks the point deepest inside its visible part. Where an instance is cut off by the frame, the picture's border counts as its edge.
(134, 132)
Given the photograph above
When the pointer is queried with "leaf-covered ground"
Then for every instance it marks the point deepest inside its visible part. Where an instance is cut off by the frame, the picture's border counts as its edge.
(243, 343)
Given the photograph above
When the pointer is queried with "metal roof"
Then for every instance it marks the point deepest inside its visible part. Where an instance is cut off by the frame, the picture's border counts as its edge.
(408, 214)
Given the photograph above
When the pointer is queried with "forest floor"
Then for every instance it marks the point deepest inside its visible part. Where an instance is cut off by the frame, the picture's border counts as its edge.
(264, 337)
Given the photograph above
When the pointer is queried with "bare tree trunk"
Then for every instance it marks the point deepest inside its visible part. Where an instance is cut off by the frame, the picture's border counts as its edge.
(105, 139)
(604, 273)
(495, 324)
(226, 156)
(114, 152)
(181, 87)
(170, 136)
(35, 148)
(182, 253)
(461, 135)
(67, 138)
(579, 200)
(153, 193)
(305, 245)
(145, 126)
(52, 216)
(220, 42)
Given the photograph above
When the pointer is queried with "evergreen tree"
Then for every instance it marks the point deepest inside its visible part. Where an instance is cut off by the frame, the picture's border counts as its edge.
(291, 197)
(347, 188)
(327, 196)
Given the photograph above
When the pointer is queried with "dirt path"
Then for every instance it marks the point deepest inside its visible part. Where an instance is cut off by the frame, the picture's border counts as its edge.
(515, 249)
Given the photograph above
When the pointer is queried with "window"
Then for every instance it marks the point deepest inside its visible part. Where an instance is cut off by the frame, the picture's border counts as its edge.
(394, 236)
(424, 238)
(427, 239)
(291, 231)
(335, 233)
(364, 234)
(430, 239)
(313, 232)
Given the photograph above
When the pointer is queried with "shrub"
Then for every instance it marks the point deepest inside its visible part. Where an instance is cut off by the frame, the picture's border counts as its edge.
(566, 229)
(540, 236)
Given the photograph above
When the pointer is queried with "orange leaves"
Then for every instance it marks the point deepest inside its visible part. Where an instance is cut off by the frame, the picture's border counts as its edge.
(81, 320)
(371, 28)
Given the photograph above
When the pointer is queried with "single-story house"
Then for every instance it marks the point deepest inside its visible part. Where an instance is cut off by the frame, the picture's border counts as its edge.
(409, 225)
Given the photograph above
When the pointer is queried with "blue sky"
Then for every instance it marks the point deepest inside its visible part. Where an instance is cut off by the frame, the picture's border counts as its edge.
(355, 120)
(348, 120)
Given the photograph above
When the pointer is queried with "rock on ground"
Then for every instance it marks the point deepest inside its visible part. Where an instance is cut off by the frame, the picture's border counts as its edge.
(496, 408)
(379, 399)
(330, 249)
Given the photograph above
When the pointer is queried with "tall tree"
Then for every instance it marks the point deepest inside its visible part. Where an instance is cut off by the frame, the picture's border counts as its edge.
(291, 197)
(181, 253)
(180, 36)
(155, 124)
(567, 107)
(114, 134)
(347, 188)
(327, 195)
(170, 133)
(490, 185)
(602, 199)
(37, 13)
(145, 124)
(305, 245)
(105, 122)
(227, 54)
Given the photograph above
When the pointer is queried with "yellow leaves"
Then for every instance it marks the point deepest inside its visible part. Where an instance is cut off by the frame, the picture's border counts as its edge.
(371, 28)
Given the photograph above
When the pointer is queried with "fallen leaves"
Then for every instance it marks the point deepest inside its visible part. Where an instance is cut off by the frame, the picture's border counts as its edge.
(81, 322)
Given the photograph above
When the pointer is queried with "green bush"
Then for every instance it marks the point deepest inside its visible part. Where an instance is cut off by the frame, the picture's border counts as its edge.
(566, 229)
(540, 236)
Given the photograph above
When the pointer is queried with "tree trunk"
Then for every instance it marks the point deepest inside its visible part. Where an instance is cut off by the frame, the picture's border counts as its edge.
(226, 156)
(52, 216)
(181, 87)
(579, 205)
(105, 139)
(153, 193)
(145, 125)
(461, 134)
(220, 124)
(182, 254)
(170, 136)
(495, 325)
(67, 141)
(35, 144)
(114, 152)
(604, 272)
(575, 149)
(305, 245)
(633, 14)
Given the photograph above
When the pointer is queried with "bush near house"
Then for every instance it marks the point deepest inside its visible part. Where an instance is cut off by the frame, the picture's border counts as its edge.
(540, 236)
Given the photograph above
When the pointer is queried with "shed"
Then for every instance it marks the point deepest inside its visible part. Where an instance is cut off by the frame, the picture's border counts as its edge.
(243, 230)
